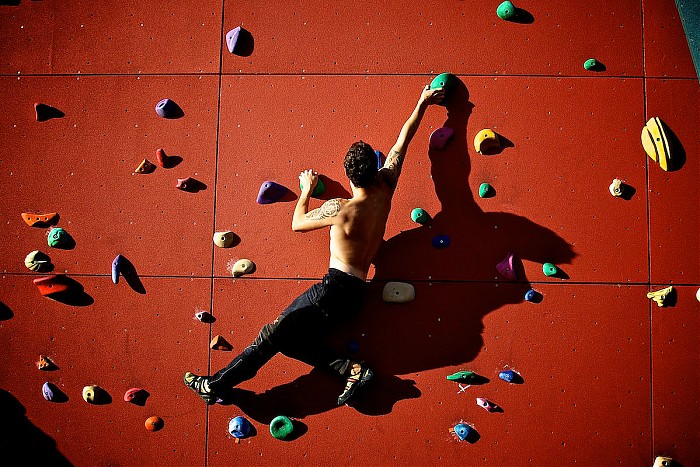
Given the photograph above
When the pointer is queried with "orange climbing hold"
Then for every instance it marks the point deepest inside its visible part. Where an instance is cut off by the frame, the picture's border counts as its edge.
(219, 343)
(40, 220)
(45, 363)
(154, 423)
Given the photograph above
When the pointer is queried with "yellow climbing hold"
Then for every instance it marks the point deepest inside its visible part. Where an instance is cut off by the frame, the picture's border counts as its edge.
(660, 296)
(486, 140)
(656, 143)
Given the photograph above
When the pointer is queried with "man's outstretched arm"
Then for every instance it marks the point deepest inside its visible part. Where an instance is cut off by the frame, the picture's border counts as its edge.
(394, 159)
(305, 220)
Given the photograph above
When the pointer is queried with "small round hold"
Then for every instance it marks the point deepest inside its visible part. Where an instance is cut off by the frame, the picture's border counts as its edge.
(419, 216)
(37, 261)
(239, 427)
(441, 241)
(505, 10)
(590, 64)
(531, 295)
(49, 391)
(223, 239)
(462, 430)
(91, 394)
(507, 375)
(135, 395)
(616, 187)
(242, 267)
(550, 269)
(154, 423)
(281, 427)
(485, 190)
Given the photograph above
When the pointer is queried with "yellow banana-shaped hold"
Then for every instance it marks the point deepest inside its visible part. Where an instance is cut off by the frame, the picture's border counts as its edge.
(656, 143)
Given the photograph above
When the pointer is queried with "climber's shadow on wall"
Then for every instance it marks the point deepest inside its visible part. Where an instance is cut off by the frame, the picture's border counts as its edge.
(442, 327)
(21, 439)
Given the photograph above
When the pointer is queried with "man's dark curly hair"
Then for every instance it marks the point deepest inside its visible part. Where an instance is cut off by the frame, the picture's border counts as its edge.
(361, 164)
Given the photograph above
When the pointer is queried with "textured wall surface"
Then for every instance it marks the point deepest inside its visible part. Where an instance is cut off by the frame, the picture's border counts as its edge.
(609, 378)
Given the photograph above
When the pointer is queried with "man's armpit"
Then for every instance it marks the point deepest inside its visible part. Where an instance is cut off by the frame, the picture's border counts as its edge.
(330, 208)
(394, 161)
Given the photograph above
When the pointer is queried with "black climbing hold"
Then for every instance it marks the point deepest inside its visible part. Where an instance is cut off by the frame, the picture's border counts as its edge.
(441, 241)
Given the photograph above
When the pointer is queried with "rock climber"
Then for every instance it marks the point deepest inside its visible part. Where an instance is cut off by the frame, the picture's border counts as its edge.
(357, 227)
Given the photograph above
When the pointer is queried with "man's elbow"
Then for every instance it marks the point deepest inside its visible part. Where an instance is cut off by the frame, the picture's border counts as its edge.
(297, 226)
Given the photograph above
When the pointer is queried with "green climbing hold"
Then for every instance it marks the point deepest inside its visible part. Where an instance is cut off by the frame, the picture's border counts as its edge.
(59, 238)
(281, 427)
(463, 376)
(550, 269)
(485, 190)
(446, 81)
(318, 190)
(505, 10)
(419, 216)
(590, 64)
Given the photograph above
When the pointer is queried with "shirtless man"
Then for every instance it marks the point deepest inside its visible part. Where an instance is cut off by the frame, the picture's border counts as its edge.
(357, 228)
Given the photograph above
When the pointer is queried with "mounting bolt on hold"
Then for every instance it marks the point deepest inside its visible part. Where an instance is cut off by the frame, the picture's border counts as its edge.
(398, 292)
(441, 241)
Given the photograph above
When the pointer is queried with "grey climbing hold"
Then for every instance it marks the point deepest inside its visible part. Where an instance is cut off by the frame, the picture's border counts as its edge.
(398, 292)
(242, 267)
(616, 188)
(117, 265)
(223, 239)
(167, 108)
(506, 10)
(419, 216)
(49, 391)
(37, 261)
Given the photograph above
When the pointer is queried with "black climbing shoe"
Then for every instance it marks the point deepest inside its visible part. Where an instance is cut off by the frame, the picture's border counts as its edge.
(200, 385)
(354, 382)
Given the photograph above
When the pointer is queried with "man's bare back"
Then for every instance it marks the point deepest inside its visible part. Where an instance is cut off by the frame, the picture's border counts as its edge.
(358, 224)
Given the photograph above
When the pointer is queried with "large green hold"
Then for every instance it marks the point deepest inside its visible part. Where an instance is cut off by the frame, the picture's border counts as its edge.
(590, 64)
(281, 427)
(446, 81)
(419, 216)
(318, 190)
(550, 269)
(505, 10)
(463, 376)
(485, 190)
(58, 238)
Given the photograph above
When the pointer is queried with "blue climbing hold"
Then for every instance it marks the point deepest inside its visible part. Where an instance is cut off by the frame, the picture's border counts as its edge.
(531, 295)
(441, 241)
(239, 427)
(380, 159)
(462, 430)
(48, 391)
(168, 109)
(507, 375)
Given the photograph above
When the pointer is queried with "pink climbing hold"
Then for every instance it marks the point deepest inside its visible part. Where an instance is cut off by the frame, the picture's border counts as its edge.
(505, 267)
(440, 137)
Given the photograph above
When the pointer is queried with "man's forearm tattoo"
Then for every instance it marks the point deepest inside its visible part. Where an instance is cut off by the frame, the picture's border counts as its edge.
(394, 161)
(330, 208)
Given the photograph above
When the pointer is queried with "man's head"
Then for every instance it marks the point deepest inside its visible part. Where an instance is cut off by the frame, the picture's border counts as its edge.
(361, 164)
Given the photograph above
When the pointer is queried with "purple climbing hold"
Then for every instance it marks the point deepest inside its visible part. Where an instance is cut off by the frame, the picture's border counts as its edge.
(270, 192)
(441, 241)
(116, 268)
(48, 390)
(440, 137)
(168, 109)
(240, 42)
(505, 267)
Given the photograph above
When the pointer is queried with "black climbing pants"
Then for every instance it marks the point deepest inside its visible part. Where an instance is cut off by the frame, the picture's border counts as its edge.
(299, 332)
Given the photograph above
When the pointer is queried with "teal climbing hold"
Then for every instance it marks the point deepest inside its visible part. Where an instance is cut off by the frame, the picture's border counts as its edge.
(590, 64)
(486, 190)
(550, 269)
(462, 430)
(419, 216)
(446, 81)
(318, 190)
(505, 10)
(59, 238)
(281, 427)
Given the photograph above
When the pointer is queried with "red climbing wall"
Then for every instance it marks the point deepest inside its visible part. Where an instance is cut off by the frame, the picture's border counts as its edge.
(609, 378)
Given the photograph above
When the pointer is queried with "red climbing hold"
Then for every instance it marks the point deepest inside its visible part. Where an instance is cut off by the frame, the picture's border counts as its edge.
(154, 423)
(162, 158)
(135, 395)
(52, 284)
(219, 343)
